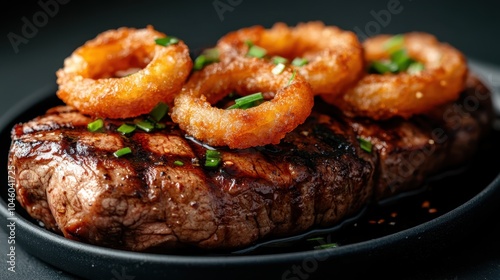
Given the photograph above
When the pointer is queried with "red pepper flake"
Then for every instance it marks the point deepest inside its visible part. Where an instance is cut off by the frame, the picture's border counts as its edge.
(432, 210)
(426, 204)
(394, 214)
(381, 221)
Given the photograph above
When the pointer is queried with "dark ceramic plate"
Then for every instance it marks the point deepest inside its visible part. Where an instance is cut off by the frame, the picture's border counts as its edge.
(410, 227)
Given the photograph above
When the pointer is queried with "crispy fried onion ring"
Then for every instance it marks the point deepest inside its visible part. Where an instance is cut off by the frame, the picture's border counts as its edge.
(267, 123)
(335, 57)
(382, 96)
(88, 81)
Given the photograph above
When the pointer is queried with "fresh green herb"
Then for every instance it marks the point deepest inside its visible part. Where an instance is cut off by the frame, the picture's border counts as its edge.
(315, 239)
(382, 67)
(291, 78)
(167, 41)
(365, 145)
(326, 246)
(126, 128)
(415, 67)
(178, 163)
(212, 158)
(207, 57)
(256, 51)
(279, 59)
(95, 125)
(298, 61)
(248, 101)
(278, 69)
(395, 43)
(123, 151)
(145, 125)
(399, 60)
(249, 43)
(159, 111)
(160, 125)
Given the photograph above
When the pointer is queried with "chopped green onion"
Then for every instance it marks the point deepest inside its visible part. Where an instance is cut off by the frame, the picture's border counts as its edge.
(291, 78)
(365, 145)
(126, 128)
(278, 69)
(326, 246)
(178, 163)
(249, 43)
(213, 158)
(382, 67)
(415, 67)
(256, 51)
(145, 125)
(122, 152)
(279, 59)
(160, 125)
(95, 125)
(167, 41)
(159, 111)
(208, 56)
(248, 101)
(395, 43)
(315, 238)
(298, 61)
(401, 59)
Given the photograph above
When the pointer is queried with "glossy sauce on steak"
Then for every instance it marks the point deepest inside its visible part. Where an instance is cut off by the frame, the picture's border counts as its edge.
(68, 177)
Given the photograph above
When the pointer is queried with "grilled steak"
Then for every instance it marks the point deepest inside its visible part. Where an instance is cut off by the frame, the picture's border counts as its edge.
(68, 177)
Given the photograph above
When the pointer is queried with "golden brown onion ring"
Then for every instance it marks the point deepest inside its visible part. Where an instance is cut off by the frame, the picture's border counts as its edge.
(264, 124)
(88, 79)
(382, 96)
(335, 57)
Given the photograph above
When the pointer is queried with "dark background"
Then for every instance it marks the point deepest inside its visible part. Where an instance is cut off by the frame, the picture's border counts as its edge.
(470, 26)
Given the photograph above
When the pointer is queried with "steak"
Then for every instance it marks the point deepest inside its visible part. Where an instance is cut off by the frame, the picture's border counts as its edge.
(161, 196)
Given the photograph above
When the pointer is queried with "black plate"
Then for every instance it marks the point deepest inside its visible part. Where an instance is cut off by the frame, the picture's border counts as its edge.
(411, 227)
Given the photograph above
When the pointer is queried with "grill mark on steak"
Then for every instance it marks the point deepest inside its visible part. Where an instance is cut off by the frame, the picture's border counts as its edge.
(318, 175)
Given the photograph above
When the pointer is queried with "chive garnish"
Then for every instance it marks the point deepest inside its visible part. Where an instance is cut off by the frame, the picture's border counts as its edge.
(256, 51)
(212, 158)
(279, 59)
(415, 67)
(365, 145)
(159, 111)
(399, 60)
(167, 41)
(123, 151)
(207, 57)
(396, 42)
(291, 78)
(178, 163)
(126, 128)
(145, 125)
(382, 67)
(248, 101)
(298, 61)
(326, 246)
(278, 69)
(95, 125)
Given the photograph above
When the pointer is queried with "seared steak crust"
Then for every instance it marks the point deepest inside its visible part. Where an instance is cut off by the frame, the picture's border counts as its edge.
(68, 177)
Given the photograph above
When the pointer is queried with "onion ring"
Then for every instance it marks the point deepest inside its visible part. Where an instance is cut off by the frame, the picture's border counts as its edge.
(88, 79)
(266, 123)
(382, 96)
(335, 56)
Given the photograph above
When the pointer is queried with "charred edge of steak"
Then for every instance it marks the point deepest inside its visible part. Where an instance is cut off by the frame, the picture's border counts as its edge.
(69, 179)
